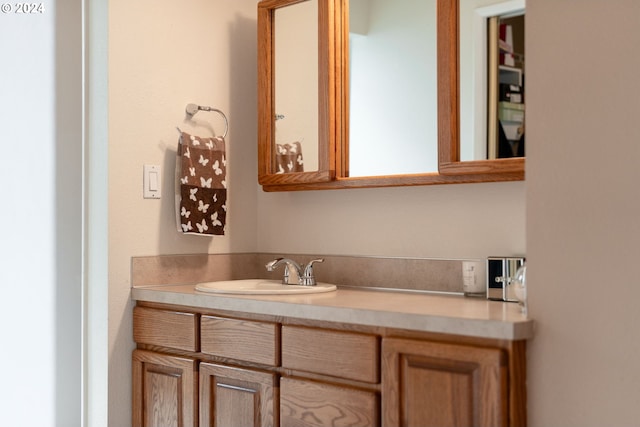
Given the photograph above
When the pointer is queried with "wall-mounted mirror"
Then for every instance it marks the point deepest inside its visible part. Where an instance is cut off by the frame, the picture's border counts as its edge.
(394, 101)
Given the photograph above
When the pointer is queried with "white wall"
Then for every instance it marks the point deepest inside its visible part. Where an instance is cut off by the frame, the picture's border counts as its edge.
(162, 56)
(583, 210)
(41, 192)
(96, 195)
(34, 95)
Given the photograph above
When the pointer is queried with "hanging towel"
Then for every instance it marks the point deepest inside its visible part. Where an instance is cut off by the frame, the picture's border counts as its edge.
(289, 158)
(201, 186)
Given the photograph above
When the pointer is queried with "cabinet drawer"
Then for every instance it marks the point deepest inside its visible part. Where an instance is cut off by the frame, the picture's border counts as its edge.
(339, 354)
(308, 403)
(165, 328)
(245, 340)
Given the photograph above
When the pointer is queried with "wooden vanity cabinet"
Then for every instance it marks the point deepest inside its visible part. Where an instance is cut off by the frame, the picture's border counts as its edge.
(210, 369)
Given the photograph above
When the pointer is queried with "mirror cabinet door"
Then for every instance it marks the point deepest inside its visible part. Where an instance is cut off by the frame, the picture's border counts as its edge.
(452, 162)
(393, 88)
(298, 116)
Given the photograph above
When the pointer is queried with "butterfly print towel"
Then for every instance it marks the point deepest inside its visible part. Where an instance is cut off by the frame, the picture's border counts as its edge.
(201, 171)
(289, 158)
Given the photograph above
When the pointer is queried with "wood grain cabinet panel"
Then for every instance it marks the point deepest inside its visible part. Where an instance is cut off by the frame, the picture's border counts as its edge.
(239, 397)
(246, 340)
(205, 370)
(164, 390)
(437, 384)
(340, 354)
(306, 403)
(165, 328)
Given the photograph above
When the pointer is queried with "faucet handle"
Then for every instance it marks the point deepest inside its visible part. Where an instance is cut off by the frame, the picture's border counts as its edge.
(310, 264)
(307, 276)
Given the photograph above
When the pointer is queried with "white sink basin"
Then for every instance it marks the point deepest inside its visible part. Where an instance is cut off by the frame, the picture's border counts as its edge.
(260, 287)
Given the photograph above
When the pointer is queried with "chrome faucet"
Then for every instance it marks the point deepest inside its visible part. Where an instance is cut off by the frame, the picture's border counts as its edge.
(305, 274)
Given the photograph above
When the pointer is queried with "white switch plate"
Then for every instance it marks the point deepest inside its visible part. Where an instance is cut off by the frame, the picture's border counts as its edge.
(151, 182)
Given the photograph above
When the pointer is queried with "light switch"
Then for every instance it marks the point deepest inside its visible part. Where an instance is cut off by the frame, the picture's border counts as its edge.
(151, 182)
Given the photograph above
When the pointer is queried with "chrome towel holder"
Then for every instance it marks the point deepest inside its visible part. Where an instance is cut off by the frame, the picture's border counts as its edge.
(192, 109)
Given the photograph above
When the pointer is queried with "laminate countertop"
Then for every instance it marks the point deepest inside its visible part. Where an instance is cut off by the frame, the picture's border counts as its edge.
(438, 313)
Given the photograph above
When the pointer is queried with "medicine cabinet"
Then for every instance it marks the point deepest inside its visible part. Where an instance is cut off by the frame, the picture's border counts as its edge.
(304, 96)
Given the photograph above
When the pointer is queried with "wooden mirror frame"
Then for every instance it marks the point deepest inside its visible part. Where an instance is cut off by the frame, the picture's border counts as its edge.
(333, 109)
(329, 118)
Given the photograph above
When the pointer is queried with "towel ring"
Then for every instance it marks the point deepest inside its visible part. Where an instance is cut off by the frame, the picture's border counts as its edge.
(192, 109)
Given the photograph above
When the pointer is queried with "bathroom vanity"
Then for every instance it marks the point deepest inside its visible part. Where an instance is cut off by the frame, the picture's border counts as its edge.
(344, 358)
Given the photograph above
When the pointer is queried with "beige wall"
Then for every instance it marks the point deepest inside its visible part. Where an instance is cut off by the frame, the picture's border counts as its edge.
(455, 221)
(162, 56)
(583, 211)
(580, 216)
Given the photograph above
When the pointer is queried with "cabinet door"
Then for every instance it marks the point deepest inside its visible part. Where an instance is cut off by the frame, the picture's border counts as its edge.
(305, 403)
(164, 390)
(436, 384)
(236, 397)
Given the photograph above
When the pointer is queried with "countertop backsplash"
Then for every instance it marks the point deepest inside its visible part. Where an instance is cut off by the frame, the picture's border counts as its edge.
(395, 273)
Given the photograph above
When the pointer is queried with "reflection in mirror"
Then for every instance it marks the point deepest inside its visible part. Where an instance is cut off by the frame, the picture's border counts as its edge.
(491, 79)
(296, 87)
(392, 87)
(505, 121)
